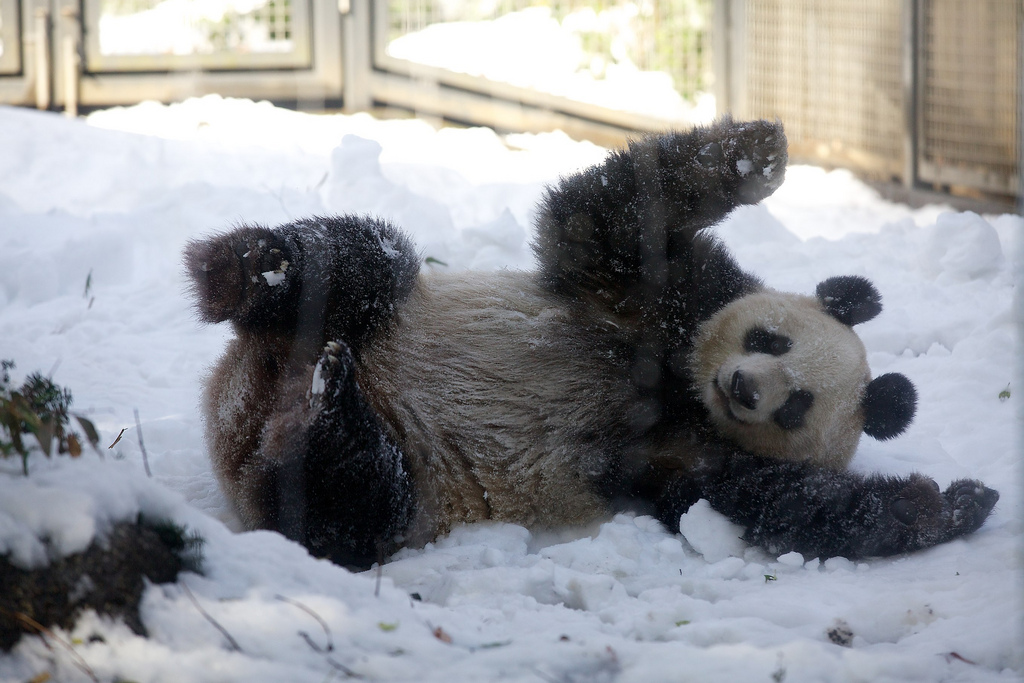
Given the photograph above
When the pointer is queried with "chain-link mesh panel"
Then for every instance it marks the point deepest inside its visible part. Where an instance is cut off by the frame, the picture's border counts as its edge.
(10, 61)
(831, 72)
(194, 27)
(673, 36)
(969, 118)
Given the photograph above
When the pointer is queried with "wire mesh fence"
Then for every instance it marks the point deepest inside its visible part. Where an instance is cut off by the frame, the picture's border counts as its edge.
(922, 90)
(670, 36)
(832, 72)
(970, 77)
(189, 27)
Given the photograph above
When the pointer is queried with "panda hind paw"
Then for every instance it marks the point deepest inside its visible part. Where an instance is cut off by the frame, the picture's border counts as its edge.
(230, 270)
(333, 374)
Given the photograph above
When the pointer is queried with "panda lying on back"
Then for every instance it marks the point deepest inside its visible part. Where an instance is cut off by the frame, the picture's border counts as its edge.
(363, 406)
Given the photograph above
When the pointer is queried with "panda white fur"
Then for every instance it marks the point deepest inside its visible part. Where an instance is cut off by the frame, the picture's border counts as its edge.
(363, 406)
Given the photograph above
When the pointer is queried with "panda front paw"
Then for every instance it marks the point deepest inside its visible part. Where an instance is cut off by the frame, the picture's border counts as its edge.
(971, 503)
(232, 271)
(934, 517)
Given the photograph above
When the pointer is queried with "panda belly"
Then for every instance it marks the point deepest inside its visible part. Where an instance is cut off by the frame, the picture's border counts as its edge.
(506, 407)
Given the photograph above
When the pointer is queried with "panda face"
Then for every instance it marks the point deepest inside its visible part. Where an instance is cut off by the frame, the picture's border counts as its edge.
(783, 378)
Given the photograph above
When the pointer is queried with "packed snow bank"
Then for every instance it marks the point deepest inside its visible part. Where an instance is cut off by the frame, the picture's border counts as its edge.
(118, 195)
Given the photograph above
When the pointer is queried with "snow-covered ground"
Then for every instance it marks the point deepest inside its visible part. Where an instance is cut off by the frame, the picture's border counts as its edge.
(625, 600)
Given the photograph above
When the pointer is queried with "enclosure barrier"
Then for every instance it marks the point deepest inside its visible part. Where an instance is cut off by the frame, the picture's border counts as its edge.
(922, 91)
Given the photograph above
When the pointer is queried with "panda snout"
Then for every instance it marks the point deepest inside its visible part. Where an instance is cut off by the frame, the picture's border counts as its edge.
(743, 390)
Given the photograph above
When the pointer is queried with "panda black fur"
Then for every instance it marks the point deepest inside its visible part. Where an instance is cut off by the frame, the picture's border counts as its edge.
(363, 406)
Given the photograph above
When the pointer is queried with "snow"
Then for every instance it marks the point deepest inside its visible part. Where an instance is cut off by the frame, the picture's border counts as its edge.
(118, 196)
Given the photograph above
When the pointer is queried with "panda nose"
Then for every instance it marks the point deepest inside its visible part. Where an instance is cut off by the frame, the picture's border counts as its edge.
(744, 391)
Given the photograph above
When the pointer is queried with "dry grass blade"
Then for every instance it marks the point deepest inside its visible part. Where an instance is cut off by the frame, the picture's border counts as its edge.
(310, 612)
(31, 623)
(91, 434)
(119, 435)
(142, 446)
(206, 615)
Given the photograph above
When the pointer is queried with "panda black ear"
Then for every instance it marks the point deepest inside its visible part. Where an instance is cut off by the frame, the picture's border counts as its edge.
(850, 299)
(889, 404)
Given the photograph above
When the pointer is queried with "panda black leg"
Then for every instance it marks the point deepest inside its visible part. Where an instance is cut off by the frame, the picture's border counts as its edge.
(316, 279)
(341, 487)
(632, 223)
(824, 513)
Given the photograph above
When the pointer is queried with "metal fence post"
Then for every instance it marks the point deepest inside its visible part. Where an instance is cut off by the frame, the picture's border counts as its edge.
(720, 47)
(42, 57)
(356, 55)
(70, 60)
(910, 101)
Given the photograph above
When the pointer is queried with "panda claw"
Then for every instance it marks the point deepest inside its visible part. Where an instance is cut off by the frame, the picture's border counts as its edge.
(972, 502)
(332, 347)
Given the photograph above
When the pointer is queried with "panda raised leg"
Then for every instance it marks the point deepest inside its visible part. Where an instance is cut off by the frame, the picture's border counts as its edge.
(314, 279)
(294, 443)
(332, 478)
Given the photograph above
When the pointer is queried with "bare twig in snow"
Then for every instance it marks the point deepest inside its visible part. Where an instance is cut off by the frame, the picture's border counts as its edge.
(142, 446)
(323, 625)
(206, 615)
(119, 435)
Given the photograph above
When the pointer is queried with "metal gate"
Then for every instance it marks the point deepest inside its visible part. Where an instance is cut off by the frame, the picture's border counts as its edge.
(102, 52)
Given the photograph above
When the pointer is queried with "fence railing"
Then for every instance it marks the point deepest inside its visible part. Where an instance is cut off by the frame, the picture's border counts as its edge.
(924, 91)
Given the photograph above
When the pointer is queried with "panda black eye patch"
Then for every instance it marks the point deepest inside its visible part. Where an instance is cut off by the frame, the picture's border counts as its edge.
(792, 413)
(760, 340)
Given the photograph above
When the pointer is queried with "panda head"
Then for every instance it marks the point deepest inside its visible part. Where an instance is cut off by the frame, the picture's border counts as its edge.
(785, 376)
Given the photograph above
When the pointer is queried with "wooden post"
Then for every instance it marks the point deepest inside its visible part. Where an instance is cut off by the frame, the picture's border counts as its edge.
(41, 68)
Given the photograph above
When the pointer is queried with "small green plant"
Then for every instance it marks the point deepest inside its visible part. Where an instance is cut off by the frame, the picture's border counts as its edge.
(41, 409)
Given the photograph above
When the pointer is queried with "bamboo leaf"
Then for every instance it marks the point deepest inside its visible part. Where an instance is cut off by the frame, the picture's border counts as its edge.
(44, 435)
(90, 431)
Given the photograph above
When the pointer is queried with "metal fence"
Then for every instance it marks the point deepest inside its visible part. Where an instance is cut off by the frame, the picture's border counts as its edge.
(671, 36)
(67, 53)
(926, 91)
(157, 35)
(969, 75)
(831, 72)
(918, 90)
(10, 48)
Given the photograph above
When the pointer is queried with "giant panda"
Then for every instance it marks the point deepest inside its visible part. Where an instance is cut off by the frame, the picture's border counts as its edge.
(363, 405)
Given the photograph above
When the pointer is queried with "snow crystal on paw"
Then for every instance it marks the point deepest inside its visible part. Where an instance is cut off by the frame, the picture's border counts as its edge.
(744, 167)
(273, 277)
(711, 534)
